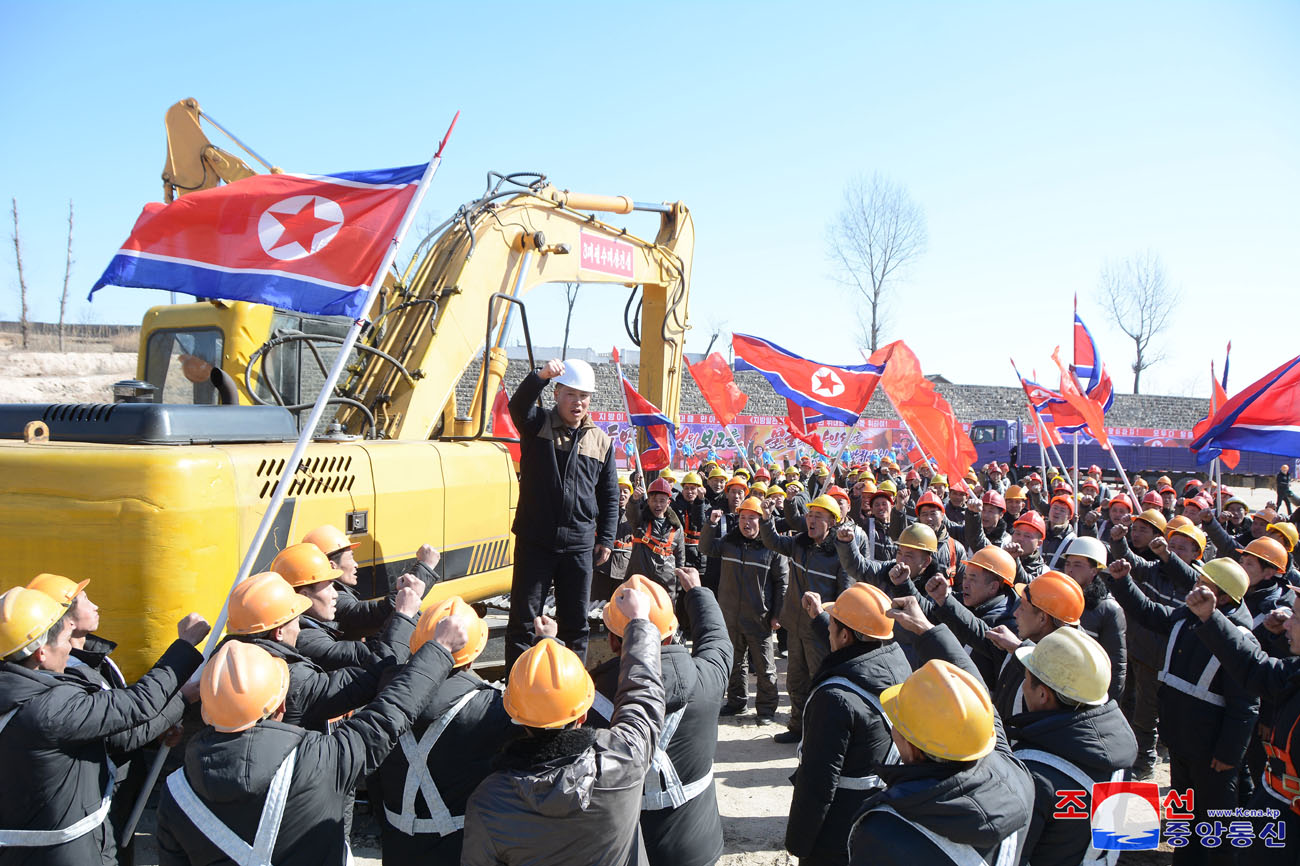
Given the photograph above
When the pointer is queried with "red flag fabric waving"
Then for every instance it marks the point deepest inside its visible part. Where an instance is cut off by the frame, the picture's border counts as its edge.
(718, 387)
(1091, 413)
(796, 421)
(502, 425)
(929, 416)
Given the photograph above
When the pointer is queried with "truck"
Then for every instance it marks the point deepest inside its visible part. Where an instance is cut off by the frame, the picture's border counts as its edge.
(155, 496)
(1148, 451)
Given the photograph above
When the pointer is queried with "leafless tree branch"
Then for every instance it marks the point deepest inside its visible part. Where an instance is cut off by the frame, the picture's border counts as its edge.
(67, 274)
(1137, 297)
(22, 281)
(570, 295)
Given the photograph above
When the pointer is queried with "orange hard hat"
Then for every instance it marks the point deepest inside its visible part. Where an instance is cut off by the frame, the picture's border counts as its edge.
(1055, 594)
(1034, 521)
(56, 586)
(755, 504)
(996, 560)
(862, 608)
(1267, 549)
(661, 607)
(263, 602)
(304, 564)
(453, 606)
(241, 685)
(1015, 491)
(548, 687)
(330, 539)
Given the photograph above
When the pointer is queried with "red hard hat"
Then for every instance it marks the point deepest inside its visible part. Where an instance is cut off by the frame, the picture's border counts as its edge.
(837, 492)
(1094, 468)
(660, 485)
(913, 475)
(1004, 467)
(1192, 482)
(995, 499)
(1034, 476)
(1154, 499)
(1032, 520)
(1086, 483)
(1121, 499)
(929, 498)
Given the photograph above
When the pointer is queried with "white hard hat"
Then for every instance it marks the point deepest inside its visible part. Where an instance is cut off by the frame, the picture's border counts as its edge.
(1088, 547)
(578, 375)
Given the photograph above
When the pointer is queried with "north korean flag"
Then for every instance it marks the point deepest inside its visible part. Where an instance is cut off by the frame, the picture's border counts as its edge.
(832, 391)
(659, 428)
(1265, 417)
(310, 243)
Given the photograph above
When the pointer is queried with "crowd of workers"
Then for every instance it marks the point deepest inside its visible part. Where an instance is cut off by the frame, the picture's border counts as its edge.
(959, 653)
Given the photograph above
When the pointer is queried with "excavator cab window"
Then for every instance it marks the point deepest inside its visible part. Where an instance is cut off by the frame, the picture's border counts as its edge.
(179, 363)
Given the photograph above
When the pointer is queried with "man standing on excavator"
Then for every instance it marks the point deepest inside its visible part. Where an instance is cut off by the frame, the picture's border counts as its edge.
(568, 504)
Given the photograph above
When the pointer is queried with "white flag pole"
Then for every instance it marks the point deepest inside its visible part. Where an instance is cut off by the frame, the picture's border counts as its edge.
(291, 466)
(627, 412)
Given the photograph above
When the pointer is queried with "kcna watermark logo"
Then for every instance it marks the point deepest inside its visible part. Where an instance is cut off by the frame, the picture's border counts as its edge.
(1126, 816)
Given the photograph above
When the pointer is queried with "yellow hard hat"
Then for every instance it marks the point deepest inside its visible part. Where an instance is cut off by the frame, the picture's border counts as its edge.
(1192, 532)
(625, 483)
(548, 687)
(918, 536)
(453, 606)
(691, 478)
(1070, 663)
(886, 488)
(758, 488)
(1227, 575)
(826, 503)
(943, 711)
(25, 616)
(330, 539)
(303, 565)
(241, 685)
(793, 487)
(1287, 531)
(716, 472)
(941, 480)
(263, 602)
(775, 490)
(744, 472)
(821, 470)
(862, 608)
(754, 504)
(56, 586)
(668, 474)
(661, 607)
(1155, 519)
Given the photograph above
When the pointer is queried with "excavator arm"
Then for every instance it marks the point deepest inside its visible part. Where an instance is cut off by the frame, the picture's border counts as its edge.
(193, 162)
(436, 320)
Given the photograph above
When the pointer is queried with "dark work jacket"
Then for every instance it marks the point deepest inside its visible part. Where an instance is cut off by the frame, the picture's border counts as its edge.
(860, 568)
(697, 679)
(606, 578)
(575, 797)
(1194, 729)
(315, 696)
(1103, 619)
(693, 517)
(1030, 566)
(1163, 584)
(846, 738)
(231, 772)
(568, 511)
(1262, 600)
(659, 567)
(55, 749)
(977, 803)
(977, 537)
(1058, 538)
(323, 643)
(882, 545)
(357, 617)
(796, 506)
(969, 625)
(460, 759)
(1097, 740)
(751, 580)
(813, 568)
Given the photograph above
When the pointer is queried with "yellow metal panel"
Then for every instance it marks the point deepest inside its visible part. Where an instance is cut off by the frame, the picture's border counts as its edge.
(244, 326)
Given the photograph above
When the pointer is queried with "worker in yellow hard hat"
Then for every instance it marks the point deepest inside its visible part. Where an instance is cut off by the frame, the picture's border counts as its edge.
(847, 734)
(250, 776)
(564, 792)
(680, 822)
(58, 729)
(814, 567)
(691, 508)
(957, 794)
(1070, 737)
(451, 746)
(1206, 717)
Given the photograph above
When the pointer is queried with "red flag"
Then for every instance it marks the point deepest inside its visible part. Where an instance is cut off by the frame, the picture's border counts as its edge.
(929, 416)
(1092, 414)
(718, 386)
(1218, 397)
(796, 421)
(1037, 395)
(502, 425)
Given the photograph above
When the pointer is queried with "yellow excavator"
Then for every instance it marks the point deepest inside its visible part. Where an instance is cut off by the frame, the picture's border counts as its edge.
(155, 496)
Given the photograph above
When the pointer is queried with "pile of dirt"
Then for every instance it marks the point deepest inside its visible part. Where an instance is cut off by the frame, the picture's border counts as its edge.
(56, 377)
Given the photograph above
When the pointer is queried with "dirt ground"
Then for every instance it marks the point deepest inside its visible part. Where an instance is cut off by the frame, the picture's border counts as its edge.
(72, 377)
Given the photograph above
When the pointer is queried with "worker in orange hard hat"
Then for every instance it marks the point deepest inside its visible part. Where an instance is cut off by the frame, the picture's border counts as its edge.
(449, 750)
(357, 617)
(59, 730)
(680, 822)
(957, 794)
(987, 600)
(1206, 717)
(250, 776)
(849, 735)
(563, 792)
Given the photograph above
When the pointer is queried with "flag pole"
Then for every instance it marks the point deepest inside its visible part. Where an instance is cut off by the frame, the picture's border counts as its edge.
(305, 437)
(1114, 455)
(627, 413)
(1075, 437)
(848, 438)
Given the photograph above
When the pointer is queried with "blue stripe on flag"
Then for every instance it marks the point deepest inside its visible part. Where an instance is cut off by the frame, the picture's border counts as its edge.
(404, 174)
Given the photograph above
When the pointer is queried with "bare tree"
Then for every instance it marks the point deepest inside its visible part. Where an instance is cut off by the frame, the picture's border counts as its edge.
(22, 281)
(716, 327)
(570, 295)
(1137, 297)
(67, 274)
(877, 234)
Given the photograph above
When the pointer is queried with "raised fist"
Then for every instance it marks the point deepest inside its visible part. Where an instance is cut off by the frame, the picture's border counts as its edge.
(900, 574)
(192, 629)
(551, 369)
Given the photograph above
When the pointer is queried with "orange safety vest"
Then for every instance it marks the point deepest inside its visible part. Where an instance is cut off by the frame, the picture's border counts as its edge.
(1284, 785)
(663, 548)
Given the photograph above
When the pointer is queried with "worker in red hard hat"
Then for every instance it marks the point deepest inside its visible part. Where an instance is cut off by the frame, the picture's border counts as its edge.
(658, 537)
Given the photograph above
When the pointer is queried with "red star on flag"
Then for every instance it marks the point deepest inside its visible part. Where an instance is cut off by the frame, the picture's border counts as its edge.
(826, 381)
(301, 227)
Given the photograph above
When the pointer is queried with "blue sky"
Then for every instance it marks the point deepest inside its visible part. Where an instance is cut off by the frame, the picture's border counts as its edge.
(1041, 139)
